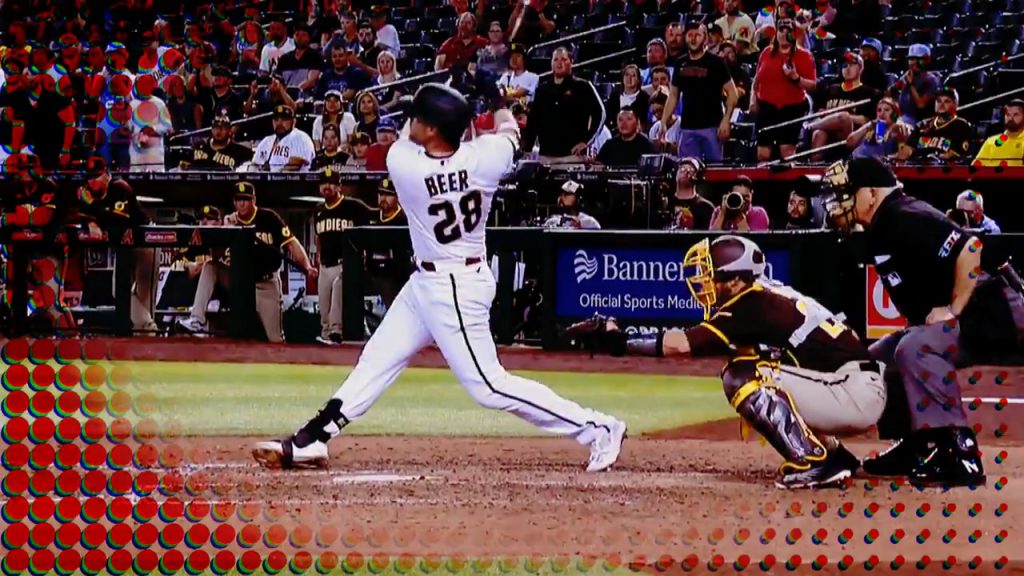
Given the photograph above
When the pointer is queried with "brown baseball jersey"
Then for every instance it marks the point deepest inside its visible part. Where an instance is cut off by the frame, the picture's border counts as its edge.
(118, 208)
(272, 235)
(333, 219)
(775, 315)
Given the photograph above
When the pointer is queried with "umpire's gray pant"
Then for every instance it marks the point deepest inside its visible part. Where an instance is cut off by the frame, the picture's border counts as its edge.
(924, 358)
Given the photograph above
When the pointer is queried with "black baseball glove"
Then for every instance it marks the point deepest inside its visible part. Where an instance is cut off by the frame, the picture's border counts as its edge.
(593, 334)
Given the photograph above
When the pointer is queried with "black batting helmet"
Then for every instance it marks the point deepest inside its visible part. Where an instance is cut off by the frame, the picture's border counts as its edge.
(444, 108)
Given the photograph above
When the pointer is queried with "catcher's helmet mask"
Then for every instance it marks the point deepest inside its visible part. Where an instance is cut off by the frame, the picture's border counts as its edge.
(444, 109)
(709, 263)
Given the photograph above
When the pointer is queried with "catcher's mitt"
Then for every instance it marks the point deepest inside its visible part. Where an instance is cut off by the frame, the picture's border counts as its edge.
(594, 335)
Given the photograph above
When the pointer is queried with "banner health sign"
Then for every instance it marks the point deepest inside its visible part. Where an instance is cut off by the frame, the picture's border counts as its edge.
(641, 287)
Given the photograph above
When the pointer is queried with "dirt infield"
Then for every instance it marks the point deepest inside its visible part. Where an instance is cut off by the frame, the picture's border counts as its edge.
(698, 495)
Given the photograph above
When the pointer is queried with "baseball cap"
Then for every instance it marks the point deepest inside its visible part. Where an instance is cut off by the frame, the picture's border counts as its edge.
(361, 138)
(571, 187)
(210, 212)
(333, 94)
(387, 186)
(869, 173)
(330, 176)
(221, 72)
(222, 121)
(386, 125)
(919, 51)
(517, 49)
(948, 91)
(95, 167)
(282, 111)
(379, 10)
(872, 43)
(245, 190)
(853, 58)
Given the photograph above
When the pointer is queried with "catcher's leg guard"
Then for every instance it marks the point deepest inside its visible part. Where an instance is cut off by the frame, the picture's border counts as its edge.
(770, 410)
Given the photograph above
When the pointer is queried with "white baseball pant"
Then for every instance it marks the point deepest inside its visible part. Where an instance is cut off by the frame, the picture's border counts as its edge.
(451, 306)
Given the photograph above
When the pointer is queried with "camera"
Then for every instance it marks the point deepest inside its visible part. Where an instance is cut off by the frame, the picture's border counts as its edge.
(735, 204)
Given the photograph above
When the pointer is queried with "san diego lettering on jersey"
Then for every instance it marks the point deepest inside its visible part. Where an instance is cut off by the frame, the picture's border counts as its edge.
(334, 225)
(446, 182)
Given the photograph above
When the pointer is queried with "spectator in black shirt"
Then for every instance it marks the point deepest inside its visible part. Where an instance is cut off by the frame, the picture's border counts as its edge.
(701, 79)
(331, 156)
(301, 67)
(222, 100)
(369, 50)
(850, 90)
(688, 210)
(186, 113)
(945, 137)
(728, 52)
(799, 212)
(675, 44)
(874, 72)
(566, 113)
(626, 148)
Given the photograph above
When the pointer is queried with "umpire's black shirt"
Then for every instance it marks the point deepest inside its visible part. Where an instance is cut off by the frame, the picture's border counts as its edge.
(914, 247)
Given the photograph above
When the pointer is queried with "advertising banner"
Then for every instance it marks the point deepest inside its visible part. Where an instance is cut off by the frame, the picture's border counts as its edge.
(882, 317)
(641, 287)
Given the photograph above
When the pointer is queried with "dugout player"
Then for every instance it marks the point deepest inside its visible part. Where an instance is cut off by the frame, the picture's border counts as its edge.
(272, 235)
(220, 152)
(958, 313)
(389, 269)
(338, 213)
(796, 373)
(33, 204)
(105, 205)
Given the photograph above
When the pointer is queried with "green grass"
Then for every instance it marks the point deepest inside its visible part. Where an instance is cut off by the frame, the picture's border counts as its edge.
(271, 399)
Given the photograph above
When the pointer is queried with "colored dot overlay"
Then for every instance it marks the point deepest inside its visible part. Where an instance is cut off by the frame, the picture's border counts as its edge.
(98, 478)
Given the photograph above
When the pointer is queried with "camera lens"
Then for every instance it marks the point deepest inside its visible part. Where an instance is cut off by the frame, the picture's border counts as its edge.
(734, 201)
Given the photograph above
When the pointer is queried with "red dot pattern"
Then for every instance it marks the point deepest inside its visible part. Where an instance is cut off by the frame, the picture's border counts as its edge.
(93, 483)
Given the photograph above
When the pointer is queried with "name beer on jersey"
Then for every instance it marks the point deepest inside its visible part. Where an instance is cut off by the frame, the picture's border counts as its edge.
(882, 316)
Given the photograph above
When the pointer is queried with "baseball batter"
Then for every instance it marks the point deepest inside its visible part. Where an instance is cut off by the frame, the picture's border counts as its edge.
(446, 188)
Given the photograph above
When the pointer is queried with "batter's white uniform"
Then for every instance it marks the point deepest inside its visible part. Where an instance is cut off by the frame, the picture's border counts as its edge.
(448, 299)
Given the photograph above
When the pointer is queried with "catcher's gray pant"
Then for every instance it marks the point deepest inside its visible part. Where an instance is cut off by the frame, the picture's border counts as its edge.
(329, 291)
(846, 402)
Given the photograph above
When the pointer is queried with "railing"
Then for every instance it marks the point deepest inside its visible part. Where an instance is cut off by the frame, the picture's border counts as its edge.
(980, 67)
(595, 60)
(571, 37)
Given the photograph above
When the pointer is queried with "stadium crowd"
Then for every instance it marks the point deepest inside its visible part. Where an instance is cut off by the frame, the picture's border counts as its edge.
(296, 85)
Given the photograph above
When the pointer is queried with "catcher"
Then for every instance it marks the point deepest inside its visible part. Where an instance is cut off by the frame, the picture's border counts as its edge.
(796, 373)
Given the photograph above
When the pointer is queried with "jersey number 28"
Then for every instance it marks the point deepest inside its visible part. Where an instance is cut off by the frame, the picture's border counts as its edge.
(452, 227)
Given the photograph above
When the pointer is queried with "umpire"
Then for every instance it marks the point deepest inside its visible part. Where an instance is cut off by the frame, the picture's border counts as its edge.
(958, 315)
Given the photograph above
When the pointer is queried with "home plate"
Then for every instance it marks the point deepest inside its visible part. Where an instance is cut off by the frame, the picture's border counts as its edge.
(376, 478)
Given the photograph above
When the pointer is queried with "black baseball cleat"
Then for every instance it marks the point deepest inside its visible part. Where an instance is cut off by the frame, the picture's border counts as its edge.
(949, 457)
(897, 460)
(839, 466)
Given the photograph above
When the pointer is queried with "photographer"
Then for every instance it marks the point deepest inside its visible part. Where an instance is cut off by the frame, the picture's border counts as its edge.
(688, 209)
(737, 211)
(571, 216)
(970, 213)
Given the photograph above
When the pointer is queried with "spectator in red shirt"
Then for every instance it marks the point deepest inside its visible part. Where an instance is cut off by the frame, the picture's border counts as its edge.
(785, 74)
(460, 49)
(377, 153)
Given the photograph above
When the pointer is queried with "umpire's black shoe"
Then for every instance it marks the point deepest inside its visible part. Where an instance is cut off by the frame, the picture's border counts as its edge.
(837, 467)
(898, 460)
(949, 457)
